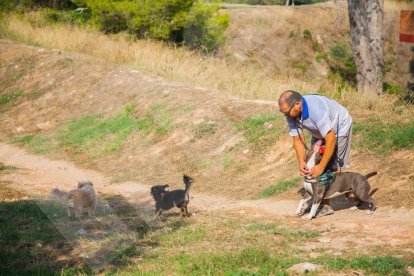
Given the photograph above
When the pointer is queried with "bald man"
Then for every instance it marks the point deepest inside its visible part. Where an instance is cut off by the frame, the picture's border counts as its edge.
(326, 120)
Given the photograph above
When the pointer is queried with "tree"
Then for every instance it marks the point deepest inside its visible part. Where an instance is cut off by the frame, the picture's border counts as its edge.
(366, 25)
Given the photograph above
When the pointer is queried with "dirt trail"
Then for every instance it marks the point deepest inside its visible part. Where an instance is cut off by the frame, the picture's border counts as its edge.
(345, 229)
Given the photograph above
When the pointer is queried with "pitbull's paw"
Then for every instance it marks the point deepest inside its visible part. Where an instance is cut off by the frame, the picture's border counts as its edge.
(353, 208)
(309, 217)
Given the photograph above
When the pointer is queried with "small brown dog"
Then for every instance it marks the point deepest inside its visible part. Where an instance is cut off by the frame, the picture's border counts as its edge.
(78, 199)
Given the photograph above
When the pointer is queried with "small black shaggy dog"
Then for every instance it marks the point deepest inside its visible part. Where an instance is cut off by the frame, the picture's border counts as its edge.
(165, 200)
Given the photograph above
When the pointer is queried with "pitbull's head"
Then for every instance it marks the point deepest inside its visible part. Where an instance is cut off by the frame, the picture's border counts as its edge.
(313, 155)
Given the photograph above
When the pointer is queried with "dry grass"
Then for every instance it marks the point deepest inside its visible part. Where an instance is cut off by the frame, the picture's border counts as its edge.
(178, 64)
(156, 58)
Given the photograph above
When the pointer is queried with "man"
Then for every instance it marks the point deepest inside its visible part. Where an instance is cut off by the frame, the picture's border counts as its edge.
(326, 120)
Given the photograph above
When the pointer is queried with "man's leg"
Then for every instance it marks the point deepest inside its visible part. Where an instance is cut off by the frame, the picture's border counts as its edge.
(344, 150)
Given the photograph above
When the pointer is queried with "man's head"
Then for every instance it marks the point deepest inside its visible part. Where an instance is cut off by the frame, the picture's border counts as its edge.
(290, 103)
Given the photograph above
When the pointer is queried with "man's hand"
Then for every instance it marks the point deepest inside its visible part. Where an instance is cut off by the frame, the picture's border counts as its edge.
(316, 171)
(304, 170)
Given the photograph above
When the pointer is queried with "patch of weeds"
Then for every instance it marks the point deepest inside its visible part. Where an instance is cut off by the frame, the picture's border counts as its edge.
(307, 34)
(274, 229)
(65, 63)
(185, 235)
(124, 254)
(227, 161)
(263, 130)
(239, 166)
(384, 138)
(342, 62)
(8, 168)
(321, 56)
(340, 51)
(99, 136)
(383, 265)
(37, 144)
(205, 128)
(22, 139)
(7, 98)
(161, 119)
(393, 89)
(316, 47)
(33, 95)
(177, 224)
(249, 261)
(206, 164)
(186, 108)
(303, 66)
(279, 187)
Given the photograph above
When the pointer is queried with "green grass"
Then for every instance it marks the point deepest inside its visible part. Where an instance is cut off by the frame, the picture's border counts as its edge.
(29, 241)
(8, 168)
(205, 128)
(208, 245)
(206, 164)
(279, 187)
(384, 137)
(162, 122)
(379, 265)
(91, 133)
(288, 234)
(9, 97)
(101, 136)
(263, 130)
(95, 135)
(249, 261)
(37, 144)
(227, 160)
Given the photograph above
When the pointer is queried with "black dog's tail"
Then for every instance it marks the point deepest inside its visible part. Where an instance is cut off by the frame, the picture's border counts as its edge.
(188, 181)
(371, 174)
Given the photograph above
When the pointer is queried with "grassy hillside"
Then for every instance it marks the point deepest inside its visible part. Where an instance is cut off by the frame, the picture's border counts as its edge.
(135, 113)
(153, 113)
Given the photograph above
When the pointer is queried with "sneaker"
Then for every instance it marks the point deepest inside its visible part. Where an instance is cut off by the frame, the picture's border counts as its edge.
(324, 211)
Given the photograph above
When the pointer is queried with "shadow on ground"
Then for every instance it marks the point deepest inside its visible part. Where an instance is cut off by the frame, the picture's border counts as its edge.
(37, 237)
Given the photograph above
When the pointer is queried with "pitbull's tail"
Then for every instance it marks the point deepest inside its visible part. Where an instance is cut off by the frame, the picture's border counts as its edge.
(371, 174)
(373, 192)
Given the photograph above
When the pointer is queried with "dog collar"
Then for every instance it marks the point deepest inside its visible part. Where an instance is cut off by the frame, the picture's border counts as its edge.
(310, 180)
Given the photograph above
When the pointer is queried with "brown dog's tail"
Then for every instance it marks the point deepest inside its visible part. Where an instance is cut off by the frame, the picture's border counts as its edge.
(371, 174)
(188, 181)
(58, 195)
(373, 192)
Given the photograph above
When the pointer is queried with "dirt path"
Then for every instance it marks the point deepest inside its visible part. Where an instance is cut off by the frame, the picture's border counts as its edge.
(356, 229)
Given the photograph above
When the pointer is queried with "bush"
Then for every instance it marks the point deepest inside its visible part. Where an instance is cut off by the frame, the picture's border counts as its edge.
(205, 28)
(22, 5)
(78, 16)
(110, 16)
(342, 63)
(196, 24)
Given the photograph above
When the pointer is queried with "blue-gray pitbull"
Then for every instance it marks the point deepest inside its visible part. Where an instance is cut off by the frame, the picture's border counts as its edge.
(353, 185)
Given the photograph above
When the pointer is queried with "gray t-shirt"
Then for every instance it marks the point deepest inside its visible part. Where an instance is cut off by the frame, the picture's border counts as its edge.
(320, 114)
